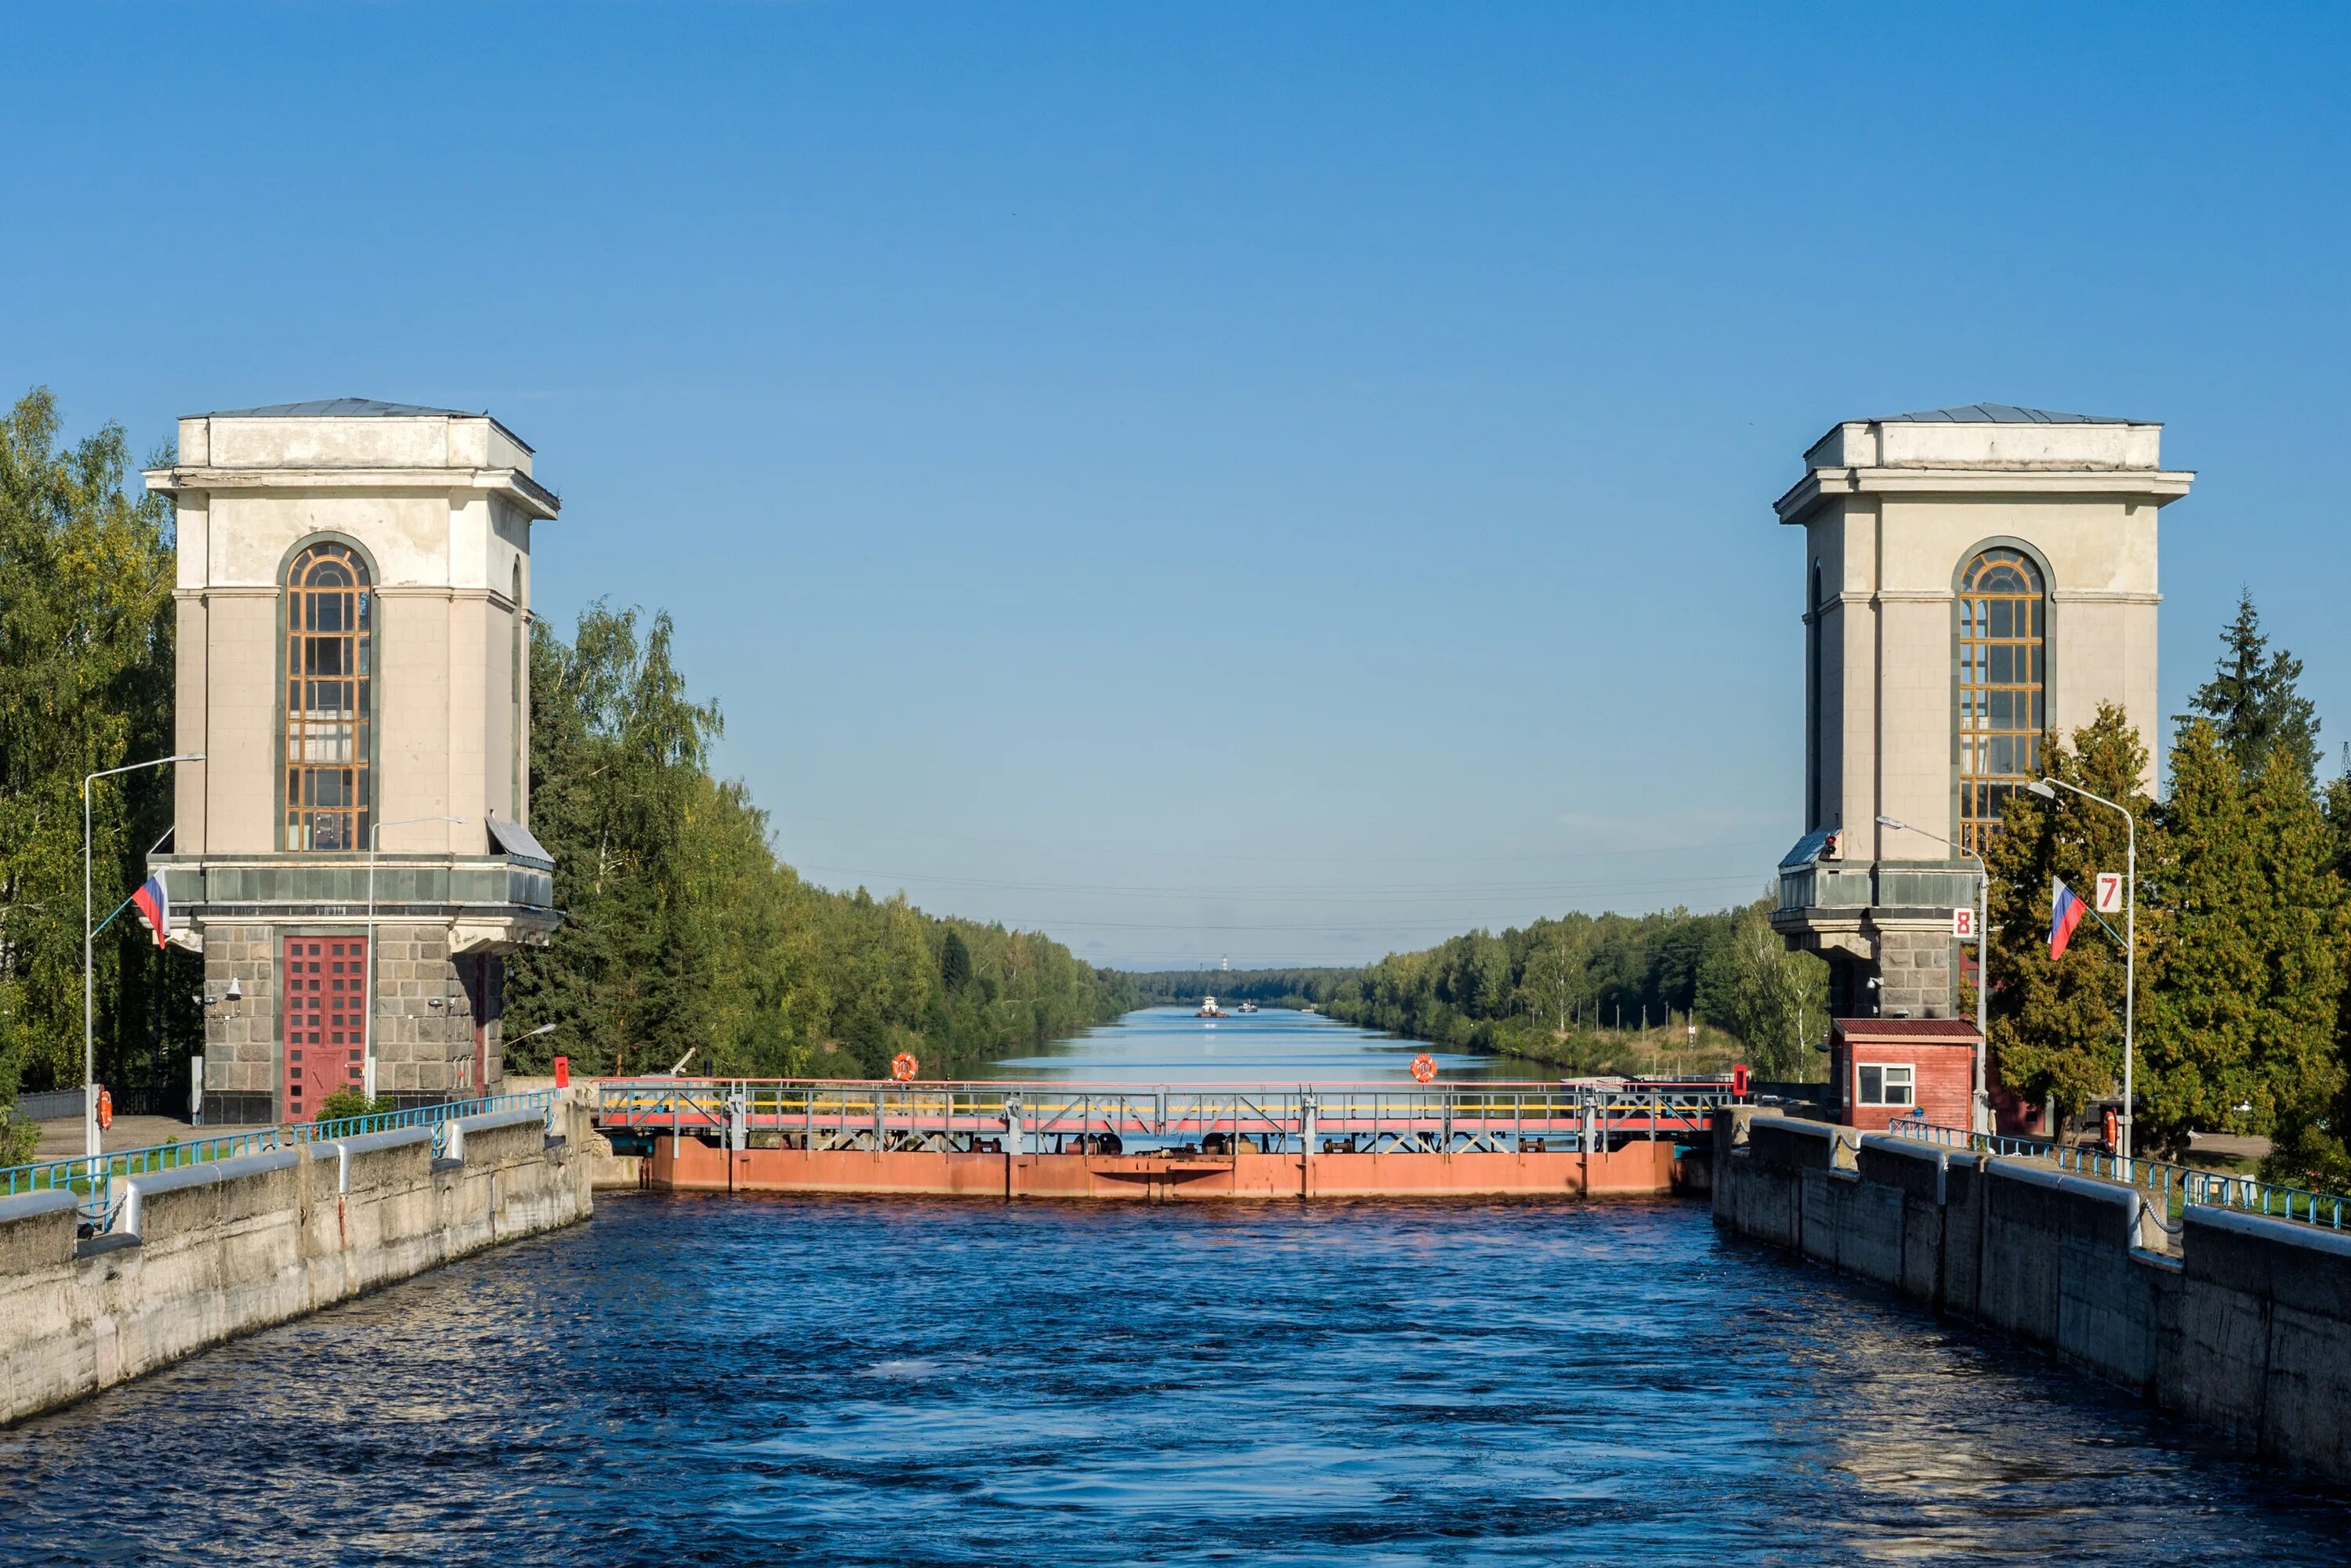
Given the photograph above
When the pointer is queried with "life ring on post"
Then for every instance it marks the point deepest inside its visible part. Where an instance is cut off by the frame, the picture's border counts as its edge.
(1424, 1068)
(902, 1066)
(105, 1110)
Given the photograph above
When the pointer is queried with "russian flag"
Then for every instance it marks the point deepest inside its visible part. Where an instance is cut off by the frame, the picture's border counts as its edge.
(2066, 912)
(154, 906)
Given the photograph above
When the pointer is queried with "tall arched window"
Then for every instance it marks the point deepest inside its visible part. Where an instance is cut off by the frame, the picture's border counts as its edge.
(2003, 668)
(329, 692)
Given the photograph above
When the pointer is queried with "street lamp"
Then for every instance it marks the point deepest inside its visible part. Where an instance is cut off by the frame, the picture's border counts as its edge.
(89, 934)
(367, 1013)
(1980, 1103)
(2047, 789)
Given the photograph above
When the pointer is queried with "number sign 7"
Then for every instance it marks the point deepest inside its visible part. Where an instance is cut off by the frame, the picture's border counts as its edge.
(2110, 893)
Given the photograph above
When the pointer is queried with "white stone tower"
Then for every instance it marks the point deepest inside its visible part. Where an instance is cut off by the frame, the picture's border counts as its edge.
(354, 582)
(1974, 578)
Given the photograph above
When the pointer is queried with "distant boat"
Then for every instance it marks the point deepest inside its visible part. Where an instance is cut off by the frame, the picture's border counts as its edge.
(1247, 1007)
(1209, 1009)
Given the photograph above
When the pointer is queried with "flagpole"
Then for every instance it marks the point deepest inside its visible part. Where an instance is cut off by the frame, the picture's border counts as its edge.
(88, 937)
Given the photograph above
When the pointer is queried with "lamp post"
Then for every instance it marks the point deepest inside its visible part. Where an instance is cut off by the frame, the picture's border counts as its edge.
(1980, 1105)
(367, 1013)
(2047, 789)
(89, 936)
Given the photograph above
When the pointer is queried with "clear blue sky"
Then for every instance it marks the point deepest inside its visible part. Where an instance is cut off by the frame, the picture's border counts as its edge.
(1290, 481)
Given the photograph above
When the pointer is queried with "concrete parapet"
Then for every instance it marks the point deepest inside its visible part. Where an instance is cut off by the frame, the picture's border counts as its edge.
(207, 1252)
(2265, 1337)
(1916, 1171)
(2248, 1329)
(1800, 1144)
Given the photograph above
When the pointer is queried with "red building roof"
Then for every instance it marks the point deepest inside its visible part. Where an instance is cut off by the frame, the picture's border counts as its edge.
(1906, 1031)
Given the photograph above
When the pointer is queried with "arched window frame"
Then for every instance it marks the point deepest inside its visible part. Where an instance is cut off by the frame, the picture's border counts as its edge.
(309, 745)
(2022, 732)
(1814, 718)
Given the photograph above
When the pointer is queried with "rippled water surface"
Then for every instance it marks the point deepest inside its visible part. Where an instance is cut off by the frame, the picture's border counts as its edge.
(707, 1379)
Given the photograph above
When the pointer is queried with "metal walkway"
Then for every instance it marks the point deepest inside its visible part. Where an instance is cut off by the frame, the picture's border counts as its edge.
(822, 1115)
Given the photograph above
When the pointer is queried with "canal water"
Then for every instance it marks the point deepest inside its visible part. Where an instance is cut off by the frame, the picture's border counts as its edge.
(706, 1379)
(1175, 1045)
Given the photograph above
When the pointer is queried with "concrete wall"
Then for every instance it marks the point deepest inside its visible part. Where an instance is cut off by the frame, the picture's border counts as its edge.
(2240, 1322)
(207, 1252)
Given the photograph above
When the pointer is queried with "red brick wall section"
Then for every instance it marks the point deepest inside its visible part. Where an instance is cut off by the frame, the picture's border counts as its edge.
(1945, 1078)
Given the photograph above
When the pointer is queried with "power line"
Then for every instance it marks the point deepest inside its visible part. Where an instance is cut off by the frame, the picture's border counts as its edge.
(1416, 894)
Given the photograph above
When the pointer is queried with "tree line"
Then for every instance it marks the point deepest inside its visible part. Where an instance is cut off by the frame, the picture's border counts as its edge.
(1565, 990)
(683, 929)
(1267, 987)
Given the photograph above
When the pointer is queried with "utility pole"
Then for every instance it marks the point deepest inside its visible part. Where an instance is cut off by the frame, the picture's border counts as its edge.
(2047, 789)
(89, 943)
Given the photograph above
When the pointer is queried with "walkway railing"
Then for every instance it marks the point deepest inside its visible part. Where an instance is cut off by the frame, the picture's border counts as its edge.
(1373, 1115)
(2171, 1185)
(92, 1180)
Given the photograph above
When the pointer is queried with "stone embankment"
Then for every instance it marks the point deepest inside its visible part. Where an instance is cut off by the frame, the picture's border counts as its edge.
(207, 1252)
(2234, 1321)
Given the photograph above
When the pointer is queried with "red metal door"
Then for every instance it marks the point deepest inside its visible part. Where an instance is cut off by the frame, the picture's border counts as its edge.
(485, 982)
(325, 985)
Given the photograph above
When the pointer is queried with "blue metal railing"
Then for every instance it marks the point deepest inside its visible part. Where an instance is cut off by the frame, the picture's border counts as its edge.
(436, 1117)
(92, 1180)
(2158, 1178)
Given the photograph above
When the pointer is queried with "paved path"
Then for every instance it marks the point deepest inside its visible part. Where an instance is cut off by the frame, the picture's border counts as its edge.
(62, 1140)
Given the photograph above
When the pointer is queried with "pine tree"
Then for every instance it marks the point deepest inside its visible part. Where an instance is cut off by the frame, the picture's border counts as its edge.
(2313, 1134)
(2240, 1023)
(2254, 702)
(2057, 1027)
(955, 962)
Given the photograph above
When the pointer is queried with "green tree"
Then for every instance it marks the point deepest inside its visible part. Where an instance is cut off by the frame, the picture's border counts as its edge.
(2253, 701)
(2241, 1020)
(2057, 1026)
(955, 962)
(2314, 1135)
(617, 751)
(1774, 1000)
(86, 623)
(1556, 980)
(684, 929)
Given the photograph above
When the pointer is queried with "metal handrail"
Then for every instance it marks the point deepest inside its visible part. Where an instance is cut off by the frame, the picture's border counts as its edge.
(436, 1117)
(92, 1179)
(1413, 1112)
(2187, 1184)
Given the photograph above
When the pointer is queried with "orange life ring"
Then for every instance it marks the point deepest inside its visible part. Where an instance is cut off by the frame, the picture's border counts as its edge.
(1424, 1068)
(902, 1066)
(105, 1110)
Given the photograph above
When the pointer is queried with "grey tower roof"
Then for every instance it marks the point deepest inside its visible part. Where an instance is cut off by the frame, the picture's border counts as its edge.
(1996, 413)
(340, 408)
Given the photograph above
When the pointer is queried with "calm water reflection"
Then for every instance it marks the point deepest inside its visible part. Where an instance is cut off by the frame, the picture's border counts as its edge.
(1170, 1045)
(704, 1379)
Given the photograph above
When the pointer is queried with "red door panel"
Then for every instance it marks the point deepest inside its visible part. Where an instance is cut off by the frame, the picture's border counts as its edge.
(324, 981)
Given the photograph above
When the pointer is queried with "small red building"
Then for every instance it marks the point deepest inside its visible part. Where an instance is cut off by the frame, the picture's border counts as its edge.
(1885, 1068)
